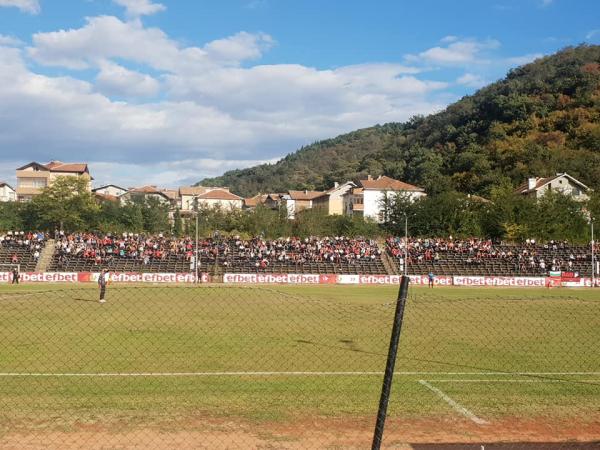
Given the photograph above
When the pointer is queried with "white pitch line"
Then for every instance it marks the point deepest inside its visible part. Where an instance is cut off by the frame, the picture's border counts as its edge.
(511, 381)
(184, 374)
(282, 373)
(455, 405)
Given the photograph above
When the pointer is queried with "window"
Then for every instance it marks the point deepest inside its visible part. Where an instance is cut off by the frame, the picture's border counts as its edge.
(32, 182)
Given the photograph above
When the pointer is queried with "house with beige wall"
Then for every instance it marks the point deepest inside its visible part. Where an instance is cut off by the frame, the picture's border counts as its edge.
(332, 200)
(34, 177)
(147, 192)
(297, 201)
(220, 198)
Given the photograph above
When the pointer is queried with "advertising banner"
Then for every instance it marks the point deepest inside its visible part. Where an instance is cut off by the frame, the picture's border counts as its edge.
(43, 277)
(500, 281)
(270, 278)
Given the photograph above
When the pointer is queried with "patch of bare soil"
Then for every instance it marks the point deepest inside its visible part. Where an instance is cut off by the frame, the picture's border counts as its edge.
(318, 433)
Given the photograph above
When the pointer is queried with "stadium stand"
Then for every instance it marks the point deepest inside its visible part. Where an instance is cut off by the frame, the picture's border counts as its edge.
(483, 258)
(21, 248)
(129, 252)
(138, 253)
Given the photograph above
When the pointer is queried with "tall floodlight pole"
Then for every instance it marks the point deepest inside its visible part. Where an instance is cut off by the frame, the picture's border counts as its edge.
(405, 244)
(593, 256)
(196, 243)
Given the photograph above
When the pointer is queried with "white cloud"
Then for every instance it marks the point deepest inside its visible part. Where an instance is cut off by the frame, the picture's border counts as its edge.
(116, 80)
(471, 80)
(239, 47)
(449, 38)
(524, 59)
(10, 41)
(186, 112)
(29, 6)
(592, 33)
(457, 52)
(108, 37)
(137, 8)
(546, 3)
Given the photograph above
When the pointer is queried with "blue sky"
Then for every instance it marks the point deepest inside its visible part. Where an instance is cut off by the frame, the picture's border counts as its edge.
(168, 92)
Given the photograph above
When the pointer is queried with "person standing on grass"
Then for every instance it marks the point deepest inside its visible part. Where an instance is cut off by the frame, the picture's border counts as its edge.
(431, 278)
(102, 281)
(16, 276)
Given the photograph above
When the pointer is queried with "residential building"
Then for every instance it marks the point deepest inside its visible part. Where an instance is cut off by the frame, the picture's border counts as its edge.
(146, 192)
(354, 202)
(7, 193)
(332, 200)
(297, 201)
(188, 195)
(271, 201)
(220, 198)
(561, 182)
(34, 177)
(367, 199)
(110, 189)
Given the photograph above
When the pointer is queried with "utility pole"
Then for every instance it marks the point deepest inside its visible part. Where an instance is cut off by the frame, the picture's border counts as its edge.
(406, 244)
(593, 256)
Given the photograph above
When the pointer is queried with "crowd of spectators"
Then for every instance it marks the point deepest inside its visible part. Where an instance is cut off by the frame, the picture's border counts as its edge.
(337, 250)
(103, 248)
(16, 241)
(531, 256)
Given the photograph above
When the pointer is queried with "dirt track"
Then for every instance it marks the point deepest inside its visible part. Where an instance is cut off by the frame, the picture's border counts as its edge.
(320, 434)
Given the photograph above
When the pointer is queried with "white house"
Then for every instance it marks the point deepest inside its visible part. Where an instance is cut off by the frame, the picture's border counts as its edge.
(367, 198)
(7, 193)
(111, 190)
(561, 182)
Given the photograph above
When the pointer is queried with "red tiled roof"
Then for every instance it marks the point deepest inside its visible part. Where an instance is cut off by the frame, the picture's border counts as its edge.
(107, 197)
(258, 199)
(171, 193)
(57, 166)
(219, 194)
(384, 183)
(192, 190)
(147, 190)
(305, 195)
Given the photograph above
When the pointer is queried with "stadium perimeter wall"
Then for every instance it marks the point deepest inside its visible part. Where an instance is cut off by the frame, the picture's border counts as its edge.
(294, 279)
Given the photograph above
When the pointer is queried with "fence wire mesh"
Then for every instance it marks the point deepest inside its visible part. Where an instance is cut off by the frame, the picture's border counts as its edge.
(295, 367)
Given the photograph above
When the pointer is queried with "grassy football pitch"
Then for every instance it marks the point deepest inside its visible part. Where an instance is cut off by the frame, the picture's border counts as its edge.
(277, 362)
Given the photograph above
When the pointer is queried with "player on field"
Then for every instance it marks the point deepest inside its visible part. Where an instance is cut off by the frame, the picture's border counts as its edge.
(102, 281)
(16, 276)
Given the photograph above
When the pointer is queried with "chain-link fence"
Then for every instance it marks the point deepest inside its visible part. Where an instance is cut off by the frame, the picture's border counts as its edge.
(295, 367)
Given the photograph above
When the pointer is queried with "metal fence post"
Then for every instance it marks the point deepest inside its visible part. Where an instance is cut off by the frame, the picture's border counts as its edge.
(391, 362)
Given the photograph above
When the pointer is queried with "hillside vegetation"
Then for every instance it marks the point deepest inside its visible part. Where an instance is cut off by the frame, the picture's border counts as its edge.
(541, 119)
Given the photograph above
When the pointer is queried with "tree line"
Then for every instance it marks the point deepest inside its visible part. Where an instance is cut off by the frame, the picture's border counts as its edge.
(68, 205)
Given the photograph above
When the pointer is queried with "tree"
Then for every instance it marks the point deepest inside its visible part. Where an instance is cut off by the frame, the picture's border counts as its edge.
(66, 204)
(177, 223)
(11, 216)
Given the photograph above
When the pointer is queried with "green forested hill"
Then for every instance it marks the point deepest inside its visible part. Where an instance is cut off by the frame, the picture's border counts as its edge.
(542, 118)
